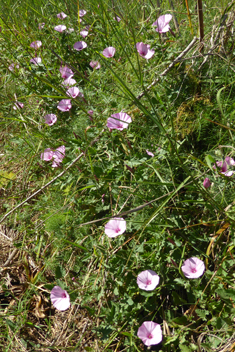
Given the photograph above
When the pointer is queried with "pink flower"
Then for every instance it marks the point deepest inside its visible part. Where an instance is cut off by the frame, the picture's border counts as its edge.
(18, 105)
(80, 45)
(82, 13)
(224, 166)
(36, 60)
(61, 15)
(64, 105)
(50, 119)
(68, 82)
(12, 66)
(95, 64)
(118, 19)
(36, 44)
(84, 33)
(41, 25)
(90, 112)
(60, 28)
(66, 72)
(150, 333)
(148, 280)
(206, 183)
(162, 23)
(149, 153)
(109, 52)
(73, 92)
(70, 30)
(47, 154)
(144, 50)
(193, 268)
(58, 156)
(60, 298)
(118, 121)
(115, 227)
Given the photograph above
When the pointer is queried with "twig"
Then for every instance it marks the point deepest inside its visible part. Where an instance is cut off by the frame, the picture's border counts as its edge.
(170, 66)
(50, 182)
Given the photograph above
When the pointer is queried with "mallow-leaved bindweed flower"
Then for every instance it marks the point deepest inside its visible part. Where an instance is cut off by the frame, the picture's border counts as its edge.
(60, 28)
(148, 280)
(109, 52)
(118, 121)
(50, 119)
(64, 105)
(115, 227)
(60, 298)
(36, 44)
(150, 333)
(223, 166)
(56, 155)
(193, 268)
(162, 23)
(144, 50)
(80, 45)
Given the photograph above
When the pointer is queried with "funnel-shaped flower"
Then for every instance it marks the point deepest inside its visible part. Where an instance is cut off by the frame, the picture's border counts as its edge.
(36, 60)
(82, 13)
(50, 119)
(60, 28)
(116, 18)
(73, 92)
(118, 121)
(115, 227)
(84, 33)
(60, 298)
(144, 50)
(95, 64)
(64, 105)
(162, 23)
(80, 45)
(36, 44)
(69, 82)
(47, 154)
(148, 280)
(193, 268)
(224, 166)
(150, 333)
(61, 15)
(58, 156)
(66, 72)
(109, 52)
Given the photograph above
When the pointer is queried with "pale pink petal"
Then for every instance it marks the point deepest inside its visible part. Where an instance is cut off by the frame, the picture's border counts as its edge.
(148, 280)
(109, 52)
(66, 72)
(84, 33)
(193, 268)
(36, 44)
(149, 153)
(61, 15)
(36, 60)
(95, 64)
(69, 82)
(144, 50)
(90, 112)
(50, 119)
(162, 23)
(60, 298)
(70, 30)
(47, 154)
(115, 227)
(64, 105)
(82, 13)
(60, 28)
(118, 19)
(118, 121)
(73, 92)
(80, 45)
(13, 66)
(150, 333)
